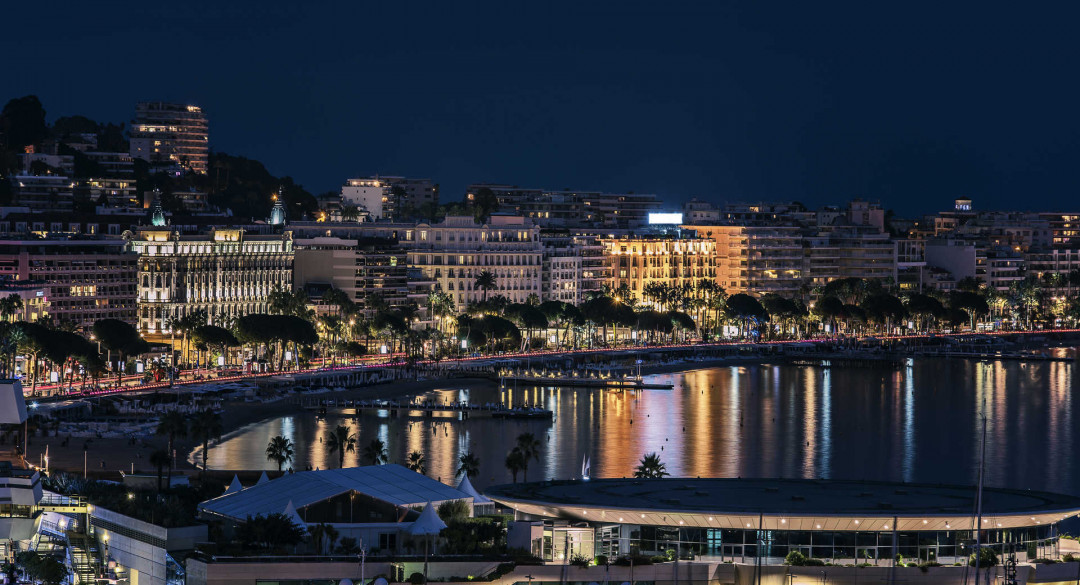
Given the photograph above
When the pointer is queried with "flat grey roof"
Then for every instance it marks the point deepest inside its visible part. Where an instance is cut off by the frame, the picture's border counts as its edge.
(794, 504)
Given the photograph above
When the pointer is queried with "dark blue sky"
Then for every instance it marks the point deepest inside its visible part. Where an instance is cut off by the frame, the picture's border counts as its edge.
(909, 103)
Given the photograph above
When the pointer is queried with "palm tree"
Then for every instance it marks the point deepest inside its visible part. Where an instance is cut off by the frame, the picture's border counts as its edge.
(10, 306)
(172, 424)
(651, 467)
(279, 449)
(375, 452)
(515, 462)
(339, 440)
(469, 465)
(206, 426)
(530, 449)
(416, 462)
(485, 281)
(160, 459)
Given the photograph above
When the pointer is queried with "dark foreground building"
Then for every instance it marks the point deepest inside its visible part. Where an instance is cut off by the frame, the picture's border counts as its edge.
(742, 520)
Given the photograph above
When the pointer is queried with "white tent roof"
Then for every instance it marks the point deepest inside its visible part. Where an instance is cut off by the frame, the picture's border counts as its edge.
(465, 486)
(234, 487)
(393, 484)
(428, 522)
(290, 513)
(263, 479)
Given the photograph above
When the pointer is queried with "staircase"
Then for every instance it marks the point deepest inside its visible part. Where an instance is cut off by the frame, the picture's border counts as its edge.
(85, 557)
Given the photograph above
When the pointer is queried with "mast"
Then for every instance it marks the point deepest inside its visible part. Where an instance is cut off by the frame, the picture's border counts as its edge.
(978, 500)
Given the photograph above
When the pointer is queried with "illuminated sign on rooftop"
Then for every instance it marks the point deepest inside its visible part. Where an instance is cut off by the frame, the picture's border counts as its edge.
(665, 218)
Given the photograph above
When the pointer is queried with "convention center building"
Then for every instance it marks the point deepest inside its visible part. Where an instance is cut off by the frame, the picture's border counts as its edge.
(762, 520)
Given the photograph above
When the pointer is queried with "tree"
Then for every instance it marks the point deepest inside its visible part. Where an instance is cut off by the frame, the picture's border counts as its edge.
(971, 302)
(160, 459)
(323, 537)
(745, 308)
(452, 511)
(650, 467)
(468, 464)
(121, 337)
(529, 446)
(270, 531)
(10, 306)
(515, 462)
(340, 441)
(172, 424)
(485, 202)
(22, 122)
(485, 281)
(43, 568)
(280, 450)
(206, 426)
(214, 336)
(924, 308)
(416, 462)
(375, 452)
(883, 308)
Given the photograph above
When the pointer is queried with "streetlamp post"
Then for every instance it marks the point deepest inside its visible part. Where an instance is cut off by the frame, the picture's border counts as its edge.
(363, 559)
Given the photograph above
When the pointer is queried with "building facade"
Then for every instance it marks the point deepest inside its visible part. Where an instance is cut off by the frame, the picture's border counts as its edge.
(638, 260)
(226, 273)
(452, 254)
(171, 136)
(82, 280)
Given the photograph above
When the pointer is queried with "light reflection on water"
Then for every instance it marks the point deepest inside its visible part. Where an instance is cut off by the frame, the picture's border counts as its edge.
(917, 423)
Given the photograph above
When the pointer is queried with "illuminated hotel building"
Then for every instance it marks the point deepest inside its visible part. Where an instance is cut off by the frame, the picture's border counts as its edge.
(637, 261)
(171, 135)
(225, 273)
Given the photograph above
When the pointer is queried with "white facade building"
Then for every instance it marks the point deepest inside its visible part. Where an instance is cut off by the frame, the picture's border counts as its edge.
(453, 253)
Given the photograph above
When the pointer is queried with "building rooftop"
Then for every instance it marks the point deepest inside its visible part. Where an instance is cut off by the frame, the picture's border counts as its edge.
(793, 504)
(390, 483)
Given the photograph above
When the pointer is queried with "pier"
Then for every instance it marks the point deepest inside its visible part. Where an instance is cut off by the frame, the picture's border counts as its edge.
(427, 409)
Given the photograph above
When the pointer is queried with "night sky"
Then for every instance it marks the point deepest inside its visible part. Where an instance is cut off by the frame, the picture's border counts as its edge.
(912, 104)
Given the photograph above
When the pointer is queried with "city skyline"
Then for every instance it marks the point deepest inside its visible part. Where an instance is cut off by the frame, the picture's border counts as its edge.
(798, 103)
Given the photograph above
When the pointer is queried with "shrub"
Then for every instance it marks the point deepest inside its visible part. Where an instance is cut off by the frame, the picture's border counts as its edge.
(601, 560)
(795, 559)
(580, 561)
(416, 579)
(812, 562)
(1068, 558)
(987, 558)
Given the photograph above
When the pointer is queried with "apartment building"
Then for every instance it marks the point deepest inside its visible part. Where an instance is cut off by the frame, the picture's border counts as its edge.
(225, 272)
(569, 208)
(44, 192)
(82, 279)
(756, 259)
(453, 253)
(171, 136)
(389, 197)
(574, 266)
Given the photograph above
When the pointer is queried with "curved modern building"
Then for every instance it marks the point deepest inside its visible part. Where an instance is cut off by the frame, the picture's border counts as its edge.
(743, 519)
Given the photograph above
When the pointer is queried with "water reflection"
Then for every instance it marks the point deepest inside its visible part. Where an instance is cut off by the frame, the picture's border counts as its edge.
(921, 422)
